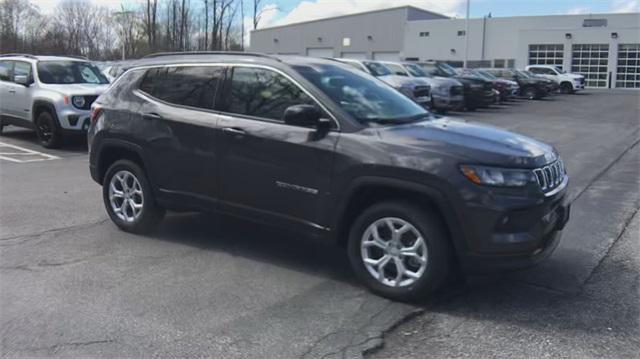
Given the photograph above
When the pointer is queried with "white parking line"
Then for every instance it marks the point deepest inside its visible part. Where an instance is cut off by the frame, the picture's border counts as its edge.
(8, 153)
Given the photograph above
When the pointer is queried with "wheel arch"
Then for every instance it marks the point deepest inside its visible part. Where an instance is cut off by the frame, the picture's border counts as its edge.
(366, 191)
(40, 106)
(113, 150)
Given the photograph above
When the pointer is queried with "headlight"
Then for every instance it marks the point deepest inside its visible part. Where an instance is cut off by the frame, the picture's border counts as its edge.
(78, 101)
(492, 176)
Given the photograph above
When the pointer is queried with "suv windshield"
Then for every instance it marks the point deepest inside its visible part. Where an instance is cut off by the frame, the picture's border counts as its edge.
(486, 75)
(416, 70)
(377, 69)
(524, 74)
(364, 98)
(70, 72)
(447, 69)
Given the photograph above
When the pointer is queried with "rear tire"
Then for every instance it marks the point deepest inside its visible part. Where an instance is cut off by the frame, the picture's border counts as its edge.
(48, 131)
(426, 271)
(129, 199)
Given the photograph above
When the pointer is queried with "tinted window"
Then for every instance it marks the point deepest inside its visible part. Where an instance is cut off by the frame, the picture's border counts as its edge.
(193, 86)
(359, 94)
(377, 69)
(397, 69)
(263, 93)
(5, 70)
(70, 72)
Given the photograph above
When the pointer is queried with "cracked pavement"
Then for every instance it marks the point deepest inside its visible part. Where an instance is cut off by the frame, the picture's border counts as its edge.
(72, 285)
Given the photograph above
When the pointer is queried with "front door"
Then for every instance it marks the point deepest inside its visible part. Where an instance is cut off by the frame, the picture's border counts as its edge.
(271, 171)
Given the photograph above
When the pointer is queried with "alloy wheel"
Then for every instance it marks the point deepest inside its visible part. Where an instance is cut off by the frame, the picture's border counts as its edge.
(394, 252)
(126, 196)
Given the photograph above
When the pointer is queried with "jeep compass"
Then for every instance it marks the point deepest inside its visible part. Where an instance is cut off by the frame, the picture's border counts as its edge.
(317, 147)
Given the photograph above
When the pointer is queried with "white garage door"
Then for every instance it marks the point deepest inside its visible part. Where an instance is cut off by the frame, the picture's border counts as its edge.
(354, 55)
(386, 56)
(320, 52)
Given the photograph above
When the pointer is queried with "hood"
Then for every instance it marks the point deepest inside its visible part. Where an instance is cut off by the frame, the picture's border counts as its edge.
(77, 89)
(473, 142)
(438, 81)
(403, 81)
(575, 76)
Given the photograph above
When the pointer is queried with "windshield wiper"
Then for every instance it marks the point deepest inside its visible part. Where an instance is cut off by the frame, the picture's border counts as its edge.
(396, 121)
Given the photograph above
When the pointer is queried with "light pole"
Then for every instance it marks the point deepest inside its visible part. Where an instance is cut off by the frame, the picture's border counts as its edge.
(466, 38)
(122, 16)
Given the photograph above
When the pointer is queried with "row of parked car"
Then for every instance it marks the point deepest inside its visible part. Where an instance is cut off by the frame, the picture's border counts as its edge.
(442, 87)
(53, 94)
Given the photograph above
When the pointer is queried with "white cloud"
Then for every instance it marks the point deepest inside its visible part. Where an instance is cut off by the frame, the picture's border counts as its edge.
(579, 10)
(625, 6)
(318, 9)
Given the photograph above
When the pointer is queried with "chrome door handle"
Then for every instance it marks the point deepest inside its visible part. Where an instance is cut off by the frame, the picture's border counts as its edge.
(151, 116)
(233, 131)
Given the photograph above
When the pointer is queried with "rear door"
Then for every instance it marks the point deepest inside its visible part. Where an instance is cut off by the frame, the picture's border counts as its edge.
(179, 125)
(20, 104)
(271, 171)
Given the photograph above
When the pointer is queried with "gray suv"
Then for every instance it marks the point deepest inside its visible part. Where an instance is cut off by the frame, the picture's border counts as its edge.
(50, 94)
(317, 147)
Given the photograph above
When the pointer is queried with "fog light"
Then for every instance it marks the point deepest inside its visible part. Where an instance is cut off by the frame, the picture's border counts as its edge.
(73, 120)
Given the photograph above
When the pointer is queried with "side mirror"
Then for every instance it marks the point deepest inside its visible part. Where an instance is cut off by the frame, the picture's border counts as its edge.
(303, 115)
(22, 80)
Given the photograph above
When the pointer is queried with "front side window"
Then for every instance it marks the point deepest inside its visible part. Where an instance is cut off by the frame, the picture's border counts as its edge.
(263, 93)
(22, 69)
(70, 72)
(362, 96)
(193, 86)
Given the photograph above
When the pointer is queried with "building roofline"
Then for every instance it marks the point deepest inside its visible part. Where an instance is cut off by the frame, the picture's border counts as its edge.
(444, 17)
(595, 14)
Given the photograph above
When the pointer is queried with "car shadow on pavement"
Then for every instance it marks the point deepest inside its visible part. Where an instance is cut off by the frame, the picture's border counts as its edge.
(256, 242)
(28, 138)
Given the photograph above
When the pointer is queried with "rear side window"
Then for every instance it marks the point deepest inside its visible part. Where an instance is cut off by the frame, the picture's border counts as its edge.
(193, 86)
(5, 70)
(263, 93)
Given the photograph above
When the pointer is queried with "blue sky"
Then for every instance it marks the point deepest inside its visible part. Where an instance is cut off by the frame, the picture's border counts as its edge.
(296, 10)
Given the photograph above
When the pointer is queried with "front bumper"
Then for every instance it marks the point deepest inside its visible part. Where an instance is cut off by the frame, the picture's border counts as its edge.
(507, 233)
(447, 102)
(73, 120)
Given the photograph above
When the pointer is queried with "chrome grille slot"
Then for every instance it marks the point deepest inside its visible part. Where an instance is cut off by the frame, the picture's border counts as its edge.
(550, 176)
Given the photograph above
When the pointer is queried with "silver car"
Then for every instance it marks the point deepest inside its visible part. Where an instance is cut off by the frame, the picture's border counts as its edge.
(446, 93)
(416, 89)
(50, 94)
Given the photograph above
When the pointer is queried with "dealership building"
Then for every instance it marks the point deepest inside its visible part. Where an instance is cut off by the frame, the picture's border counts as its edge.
(603, 47)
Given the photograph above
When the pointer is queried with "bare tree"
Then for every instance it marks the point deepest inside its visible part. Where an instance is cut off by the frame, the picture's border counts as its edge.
(151, 23)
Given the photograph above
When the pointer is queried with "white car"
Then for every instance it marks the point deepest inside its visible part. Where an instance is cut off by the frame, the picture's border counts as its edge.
(569, 83)
(417, 89)
(50, 94)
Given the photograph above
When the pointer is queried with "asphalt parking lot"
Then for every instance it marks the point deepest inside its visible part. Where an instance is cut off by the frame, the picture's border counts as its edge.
(73, 285)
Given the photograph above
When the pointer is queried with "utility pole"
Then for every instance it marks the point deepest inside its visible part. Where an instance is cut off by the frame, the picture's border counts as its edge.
(466, 37)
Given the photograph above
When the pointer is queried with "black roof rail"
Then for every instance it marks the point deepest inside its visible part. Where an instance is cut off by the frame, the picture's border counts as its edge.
(186, 53)
(18, 54)
(76, 57)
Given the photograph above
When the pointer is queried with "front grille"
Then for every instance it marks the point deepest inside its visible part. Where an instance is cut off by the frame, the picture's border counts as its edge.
(581, 80)
(488, 86)
(456, 90)
(550, 176)
(421, 91)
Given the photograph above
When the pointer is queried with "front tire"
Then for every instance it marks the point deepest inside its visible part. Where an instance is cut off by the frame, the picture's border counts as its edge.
(566, 88)
(129, 199)
(530, 93)
(48, 130)
(399, 250)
